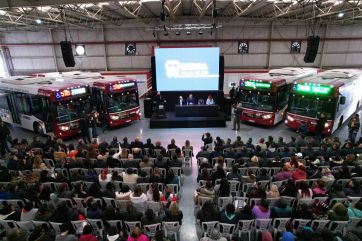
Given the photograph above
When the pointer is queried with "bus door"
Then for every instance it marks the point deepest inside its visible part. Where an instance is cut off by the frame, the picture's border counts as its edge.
(13, 107)
(282, 103)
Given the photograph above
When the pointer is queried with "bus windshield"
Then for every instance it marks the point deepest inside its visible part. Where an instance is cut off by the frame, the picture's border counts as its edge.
(118, 102)
(257, 101)
(312, 107)
(72, 110)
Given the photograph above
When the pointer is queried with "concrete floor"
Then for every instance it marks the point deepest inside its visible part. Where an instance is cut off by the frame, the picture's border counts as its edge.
(141, 128)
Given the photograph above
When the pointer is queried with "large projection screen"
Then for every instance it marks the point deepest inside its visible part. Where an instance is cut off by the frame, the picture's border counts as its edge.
(184, 69)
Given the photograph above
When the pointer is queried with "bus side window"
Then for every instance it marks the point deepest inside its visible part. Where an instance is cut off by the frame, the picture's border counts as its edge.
(23, 101)
(282, 97)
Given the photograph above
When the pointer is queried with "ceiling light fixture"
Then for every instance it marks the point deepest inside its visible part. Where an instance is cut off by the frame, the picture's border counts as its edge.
(177, 33)
(2, 12)
(200, 32)
(38, 21)
(80, 50)
(188, 32)
(340, 15)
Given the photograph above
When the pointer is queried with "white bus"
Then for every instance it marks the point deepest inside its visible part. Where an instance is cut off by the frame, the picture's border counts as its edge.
(44, 105)
(337, 93)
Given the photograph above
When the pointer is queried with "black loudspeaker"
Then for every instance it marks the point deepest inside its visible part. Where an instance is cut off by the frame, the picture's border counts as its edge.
(312, 49)
(228, 104)
(147, 105)
(153, 73)
(67, 53)
(221, 73)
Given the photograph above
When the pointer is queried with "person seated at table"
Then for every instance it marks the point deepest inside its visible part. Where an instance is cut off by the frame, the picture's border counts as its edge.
(190, 100)
(181, 100)
(210, 100)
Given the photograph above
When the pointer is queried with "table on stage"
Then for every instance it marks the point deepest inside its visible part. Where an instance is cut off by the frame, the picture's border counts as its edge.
(196, 110)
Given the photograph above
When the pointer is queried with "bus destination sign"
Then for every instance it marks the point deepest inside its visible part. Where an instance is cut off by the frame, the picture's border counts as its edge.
(119, 86)
(67, 93)
(257, 84)
(317, 89)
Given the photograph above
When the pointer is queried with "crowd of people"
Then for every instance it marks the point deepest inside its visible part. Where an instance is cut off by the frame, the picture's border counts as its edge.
(121, 180)
(302, 178)
(49, 183)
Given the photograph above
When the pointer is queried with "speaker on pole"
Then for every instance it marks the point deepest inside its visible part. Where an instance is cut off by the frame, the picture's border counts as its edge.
(312, 49)
(67, 53)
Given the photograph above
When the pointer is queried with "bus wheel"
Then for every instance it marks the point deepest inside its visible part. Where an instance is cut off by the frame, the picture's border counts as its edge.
(37, 128)
(340, 122)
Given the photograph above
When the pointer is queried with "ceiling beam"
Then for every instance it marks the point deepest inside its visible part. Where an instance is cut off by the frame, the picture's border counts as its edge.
(38, 3)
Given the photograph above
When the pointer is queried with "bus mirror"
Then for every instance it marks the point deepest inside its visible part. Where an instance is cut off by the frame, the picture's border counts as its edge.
(342, 101)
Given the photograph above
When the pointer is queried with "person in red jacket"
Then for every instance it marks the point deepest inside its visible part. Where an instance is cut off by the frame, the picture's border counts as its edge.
(87, 234)
(299, 173)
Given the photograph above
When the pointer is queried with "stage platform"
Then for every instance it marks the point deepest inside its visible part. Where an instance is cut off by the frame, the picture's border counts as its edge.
(171, 121)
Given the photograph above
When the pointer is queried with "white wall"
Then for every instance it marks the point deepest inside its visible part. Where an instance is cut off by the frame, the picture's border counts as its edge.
(111, 56)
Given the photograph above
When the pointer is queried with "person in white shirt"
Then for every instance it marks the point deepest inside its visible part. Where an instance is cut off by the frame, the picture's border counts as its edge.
(129, 176)
(210, 100)
(139, 199)
(180, 100)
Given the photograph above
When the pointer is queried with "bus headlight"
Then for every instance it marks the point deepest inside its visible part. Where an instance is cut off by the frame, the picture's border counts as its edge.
(64, 128)
(268, 116)
(327, 125)
(114, 117)
(290, 118)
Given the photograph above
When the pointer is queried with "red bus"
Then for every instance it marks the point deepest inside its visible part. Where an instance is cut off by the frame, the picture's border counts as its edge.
(44, 105)
(116, 97)
(336, 93)
(264, 97)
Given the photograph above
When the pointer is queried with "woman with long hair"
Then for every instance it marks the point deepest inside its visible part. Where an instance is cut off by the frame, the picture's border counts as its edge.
(208, 212)
(304, 192)
(273, 192)
(153, 193)
(224, 188)
(137, 235)
(173, 213)
(139, 199)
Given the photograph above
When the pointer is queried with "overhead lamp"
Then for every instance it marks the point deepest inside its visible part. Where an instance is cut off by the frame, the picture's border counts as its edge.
(2, 12)
(38, 21)
(103, 3)
(188, 32)
(177, 33)
(200, 32)
(340, 15)
(44, 8)
(80, 50)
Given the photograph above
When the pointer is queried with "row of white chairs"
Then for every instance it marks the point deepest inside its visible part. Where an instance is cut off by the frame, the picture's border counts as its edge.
(276, 226)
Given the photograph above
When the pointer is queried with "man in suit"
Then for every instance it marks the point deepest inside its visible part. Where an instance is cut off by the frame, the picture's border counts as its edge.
(190, 100)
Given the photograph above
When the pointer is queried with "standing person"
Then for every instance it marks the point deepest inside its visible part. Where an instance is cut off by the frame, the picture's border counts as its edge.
(238, 111)
(103, 120)
(353, 127)
(232, 92)
(322, 120)
(4, 135)
(90, 127)
(83, 126)
(95, 122)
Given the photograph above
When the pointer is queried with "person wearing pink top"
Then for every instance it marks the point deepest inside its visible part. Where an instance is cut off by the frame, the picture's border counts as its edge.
(262, 210)
(137, 235)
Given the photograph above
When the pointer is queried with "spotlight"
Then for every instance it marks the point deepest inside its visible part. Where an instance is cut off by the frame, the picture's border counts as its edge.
(38, 21)
(177, 33)
(200, 32)
(188, 32)
(80, 50)
(340, 15)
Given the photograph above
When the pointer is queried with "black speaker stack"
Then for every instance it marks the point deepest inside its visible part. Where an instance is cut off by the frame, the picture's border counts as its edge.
(312, 49)
(67, 53)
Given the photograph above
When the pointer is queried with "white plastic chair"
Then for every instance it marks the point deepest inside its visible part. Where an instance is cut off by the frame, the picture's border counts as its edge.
(338, 226)
(299, 224)
(131, 225)
(234, 187)
(261, 225)
(226, 230)
(152, 229)
(56, 226)
(319, 225)
(223, 201)
(202, 200)
(26, 225)
(245, 226)
(279, 225)
(172, 228)
(240, 202)
(208, 226)
(155, 206)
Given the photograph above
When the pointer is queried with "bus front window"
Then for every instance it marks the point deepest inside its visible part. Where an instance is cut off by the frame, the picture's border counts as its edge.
(257, 101)
(119, 103)
(72, 110)
(312, 107)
